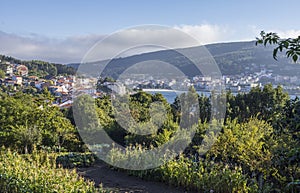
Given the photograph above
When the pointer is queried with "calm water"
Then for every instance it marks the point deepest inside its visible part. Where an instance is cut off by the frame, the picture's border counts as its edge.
(171, 95)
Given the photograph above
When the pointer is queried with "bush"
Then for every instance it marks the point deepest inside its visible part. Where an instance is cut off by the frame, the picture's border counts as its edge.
(72, 160)
(38, 173)
(206, 176)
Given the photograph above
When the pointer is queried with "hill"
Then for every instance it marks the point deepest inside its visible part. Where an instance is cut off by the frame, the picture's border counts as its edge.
(233, 58)
(37, 67)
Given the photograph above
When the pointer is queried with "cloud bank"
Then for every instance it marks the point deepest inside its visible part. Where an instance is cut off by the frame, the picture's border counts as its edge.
(66, 50)
(72, 49)
(206, 33)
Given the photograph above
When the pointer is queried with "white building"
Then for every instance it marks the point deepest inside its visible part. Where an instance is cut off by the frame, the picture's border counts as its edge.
(117, 88)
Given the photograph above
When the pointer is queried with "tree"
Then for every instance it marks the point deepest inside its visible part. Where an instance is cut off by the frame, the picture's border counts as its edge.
(27, 121)
(27, 136)
(2, 74)
(291, 46)
(247, 144)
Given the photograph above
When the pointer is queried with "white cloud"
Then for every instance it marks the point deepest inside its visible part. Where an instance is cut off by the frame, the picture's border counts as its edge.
(66, 50)
(138, 40)
(292, 33)
(207, 33)
(288, 33)
(73, 49)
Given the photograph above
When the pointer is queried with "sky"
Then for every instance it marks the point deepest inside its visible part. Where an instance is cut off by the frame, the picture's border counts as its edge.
(63, 31)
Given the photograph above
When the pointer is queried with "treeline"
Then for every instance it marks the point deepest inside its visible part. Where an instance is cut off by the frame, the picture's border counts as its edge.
(40, 68)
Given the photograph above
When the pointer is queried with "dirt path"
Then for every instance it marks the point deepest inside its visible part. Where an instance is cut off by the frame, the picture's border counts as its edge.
(121, 182)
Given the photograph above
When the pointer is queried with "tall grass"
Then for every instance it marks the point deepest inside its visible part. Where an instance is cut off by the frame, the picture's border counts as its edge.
(37, 173)
(201, 176)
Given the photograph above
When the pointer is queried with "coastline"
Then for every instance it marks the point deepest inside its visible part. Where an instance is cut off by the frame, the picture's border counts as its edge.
(159, 90)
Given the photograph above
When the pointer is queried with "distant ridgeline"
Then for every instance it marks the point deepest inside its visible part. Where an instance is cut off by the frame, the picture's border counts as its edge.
(233, 58)
(37, 67)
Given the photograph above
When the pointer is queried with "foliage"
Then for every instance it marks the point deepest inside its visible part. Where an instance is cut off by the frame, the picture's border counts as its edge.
(257, 150)
(2, 74)
(206, 176)
(27, 121)
(291, 46)
(41, 68)
(267, 104)
(38, 173)
(246, 157)
(247, 145)
(200, 176)
(71, 160)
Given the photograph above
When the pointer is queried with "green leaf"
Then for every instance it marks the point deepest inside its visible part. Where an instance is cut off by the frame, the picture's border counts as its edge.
(289, 53)
(286, 44)
(275, 53)
(295, 58)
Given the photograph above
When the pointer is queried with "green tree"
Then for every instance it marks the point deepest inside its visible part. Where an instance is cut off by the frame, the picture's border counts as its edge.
(267, 104)
(2, 74)
(291, 46)
(27, 120)
(248, 145)
(27, 136)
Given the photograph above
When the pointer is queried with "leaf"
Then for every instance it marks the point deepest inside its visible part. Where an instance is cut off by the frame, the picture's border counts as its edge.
(259, 41)
(289, 53)
(295, 58)
(275, 53)
(286, 44)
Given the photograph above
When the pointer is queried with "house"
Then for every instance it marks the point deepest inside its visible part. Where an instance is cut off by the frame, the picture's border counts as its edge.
(71, 79)
(22, 70)
(58, 91)
(33, 78)
(38, 84)
(117, 88)
(9, 69)
(46, 85)
(9, 82)
(18, 80)
(66, 104)
(60, 81)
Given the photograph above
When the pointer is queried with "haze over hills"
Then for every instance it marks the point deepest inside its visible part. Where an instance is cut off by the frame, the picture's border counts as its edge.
(233, 58)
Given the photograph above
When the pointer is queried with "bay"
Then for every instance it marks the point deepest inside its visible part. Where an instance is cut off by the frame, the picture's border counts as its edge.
(170, 95)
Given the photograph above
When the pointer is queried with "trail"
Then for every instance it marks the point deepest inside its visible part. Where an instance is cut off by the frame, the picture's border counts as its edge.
(123, 183)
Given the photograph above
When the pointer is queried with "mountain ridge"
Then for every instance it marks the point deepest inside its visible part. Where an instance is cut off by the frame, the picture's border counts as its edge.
(233, 58)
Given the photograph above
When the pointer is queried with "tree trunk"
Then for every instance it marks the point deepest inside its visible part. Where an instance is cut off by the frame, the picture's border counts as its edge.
(26, 149)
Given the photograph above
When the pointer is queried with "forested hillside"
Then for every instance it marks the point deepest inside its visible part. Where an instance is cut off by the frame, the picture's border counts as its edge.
(37, 67)
(232, 58)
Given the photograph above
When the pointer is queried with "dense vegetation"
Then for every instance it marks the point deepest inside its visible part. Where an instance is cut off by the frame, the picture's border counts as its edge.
(33, 134)
(257, 150)
(28, 120)
(39, 68)
(38, 173)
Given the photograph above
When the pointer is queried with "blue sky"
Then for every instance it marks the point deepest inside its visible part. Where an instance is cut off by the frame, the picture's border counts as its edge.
(60, 21)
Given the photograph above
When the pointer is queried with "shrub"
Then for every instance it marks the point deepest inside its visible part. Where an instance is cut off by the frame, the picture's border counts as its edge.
(72, 160)
(38, 173)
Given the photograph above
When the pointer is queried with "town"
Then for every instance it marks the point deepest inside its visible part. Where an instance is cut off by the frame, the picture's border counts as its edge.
(17, 78)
